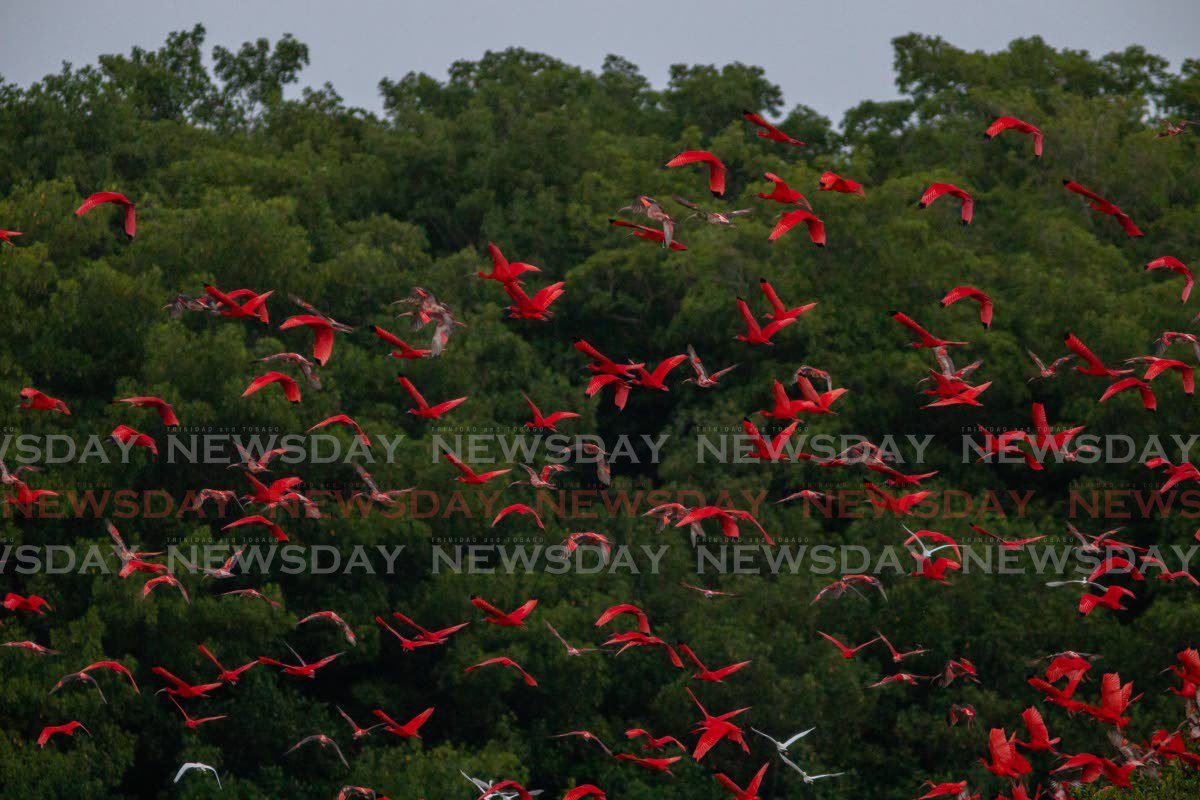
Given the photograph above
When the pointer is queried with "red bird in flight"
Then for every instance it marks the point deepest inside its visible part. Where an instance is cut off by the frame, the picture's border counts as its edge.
(716, 170)
(254, 305)
(342, 419)
(789, 220)
(165, 412)
(924, 337)
(1104, 206)
(649, 234)
(64, 730)
(769, 131)
(832, 182)
(936, 190)
(470, 476)
(986, 307)
(782, 193)
(102, 198)
(1020, 126)
(403, 348)
(1179, 268)
(291, 390)
(503, 270)
(423, 409)
(513, 619)
(546, 421)
(34, 400)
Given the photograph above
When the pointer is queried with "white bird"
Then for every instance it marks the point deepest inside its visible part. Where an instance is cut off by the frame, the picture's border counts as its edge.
(926, 552)
(782, 747)
(1081, 582)
(804, 775)
(485, 787)
(191, 765)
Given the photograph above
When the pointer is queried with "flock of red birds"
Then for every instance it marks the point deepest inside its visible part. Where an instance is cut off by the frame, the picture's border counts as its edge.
(1008, 757)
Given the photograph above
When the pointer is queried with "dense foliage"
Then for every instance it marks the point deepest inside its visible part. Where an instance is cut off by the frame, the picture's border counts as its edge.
(238, 186)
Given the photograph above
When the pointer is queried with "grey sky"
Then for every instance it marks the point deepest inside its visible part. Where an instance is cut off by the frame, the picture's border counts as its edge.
(829, 54)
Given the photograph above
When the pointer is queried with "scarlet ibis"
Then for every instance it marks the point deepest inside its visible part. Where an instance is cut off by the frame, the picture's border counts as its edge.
(503, 270)
(937, 190)
(768, 131)
(290, 389)
(513, 619)
(1020, 126)
(224, 675)
(651, 209)
(782, 193)
(232, 304)
(832, 182)
(410, 729)
(536, 307)
(649, 234)
(846, 651)
(751, 790)
(423, 409)
(703, 673)
(116, 198)
(756, 334)
(546, 421)
(67, 729)
(165, 412)
(134, 438)
(970, 292)
(35, 400)
(790, 219)
(344, 420)
(403, 348)
(1104, 206)
(322, 326)
(716, 170)
(470, 476)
